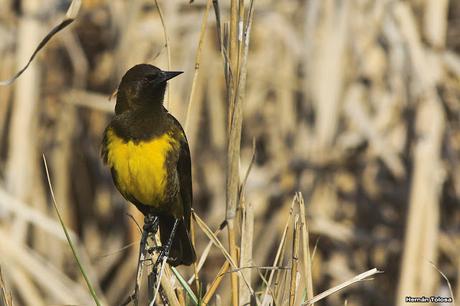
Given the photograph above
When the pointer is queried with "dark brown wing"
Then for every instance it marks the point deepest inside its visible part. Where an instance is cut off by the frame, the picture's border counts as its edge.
(184, 170)
(182, 250)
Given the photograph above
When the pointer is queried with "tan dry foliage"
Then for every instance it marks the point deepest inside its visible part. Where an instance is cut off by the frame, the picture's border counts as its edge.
(353, 103)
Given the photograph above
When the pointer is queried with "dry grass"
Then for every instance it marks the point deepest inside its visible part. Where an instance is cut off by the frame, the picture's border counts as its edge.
(355, 104)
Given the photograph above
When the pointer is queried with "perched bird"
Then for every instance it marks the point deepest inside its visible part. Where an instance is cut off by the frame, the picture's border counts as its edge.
(148, 154)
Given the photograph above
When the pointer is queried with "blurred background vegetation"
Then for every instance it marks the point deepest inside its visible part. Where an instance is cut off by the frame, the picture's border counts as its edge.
(354, 103)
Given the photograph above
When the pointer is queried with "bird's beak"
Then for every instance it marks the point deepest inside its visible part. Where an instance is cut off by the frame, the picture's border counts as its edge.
(167, 75)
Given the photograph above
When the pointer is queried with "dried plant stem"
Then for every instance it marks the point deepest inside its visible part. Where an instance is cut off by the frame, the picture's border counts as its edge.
(216, 282)
(247, 238)
(295, 261)
(427, 178)
(234, 256)
(205, 252)
(191, 101)
(181, 296)
(237, 91)
(349, 282)
(234, 20)
(168, 49)
(305, 248)
(204, 227)
(20, 165)
(167, 287)
(195, 264)
(5, 295)
(233, 153)
(266, 297)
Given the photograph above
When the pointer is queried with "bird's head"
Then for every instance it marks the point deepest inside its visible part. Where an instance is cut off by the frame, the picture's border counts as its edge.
(142, 86)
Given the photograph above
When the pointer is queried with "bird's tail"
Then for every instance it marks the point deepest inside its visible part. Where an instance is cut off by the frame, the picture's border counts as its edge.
(182, 251)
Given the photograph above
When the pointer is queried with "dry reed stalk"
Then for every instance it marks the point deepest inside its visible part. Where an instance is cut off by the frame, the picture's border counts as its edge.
(168, 50)
(327, 86)
(234, 142)
(215, 283)
(281, 284)
(240, 33)
(180, 296)
(422, 227)
(204, 227)
(5, 295)
(192, 98)
(266, 298)
(22, 147)
(386, 100)
(307, 259)
(333, 290)
(195, 264)
(233, 42)
(60, 158)
(205, 253)
(294, 261)
(247, 237)
(166, 284)
(62, 154)
(215, 105)
(435, 23)
(126, 14)
(232, 192)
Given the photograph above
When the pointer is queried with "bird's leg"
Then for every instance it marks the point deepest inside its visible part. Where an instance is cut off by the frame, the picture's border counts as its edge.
(165, 250)
(150, 226)
(154, 280)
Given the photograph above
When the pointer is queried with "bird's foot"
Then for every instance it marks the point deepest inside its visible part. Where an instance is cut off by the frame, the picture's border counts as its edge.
(154, 249)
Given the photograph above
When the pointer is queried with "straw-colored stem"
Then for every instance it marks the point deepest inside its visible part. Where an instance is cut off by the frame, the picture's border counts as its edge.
(294, 261)
(168, 50)
(343, 285)
(279, 251)
(195, 264)
(247, 238)
(5, 294)
(204, 24)
(216, 282)
(305, 248)
(233, 153)
(168, 289)
(233, 255)
(233, 52)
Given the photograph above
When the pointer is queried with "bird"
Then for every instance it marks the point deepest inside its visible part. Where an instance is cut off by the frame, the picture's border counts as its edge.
(147, 152)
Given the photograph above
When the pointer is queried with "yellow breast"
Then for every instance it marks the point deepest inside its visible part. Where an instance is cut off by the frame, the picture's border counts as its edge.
(140, 166)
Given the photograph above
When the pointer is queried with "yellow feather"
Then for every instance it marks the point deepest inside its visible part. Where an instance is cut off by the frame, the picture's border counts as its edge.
(140, 166)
